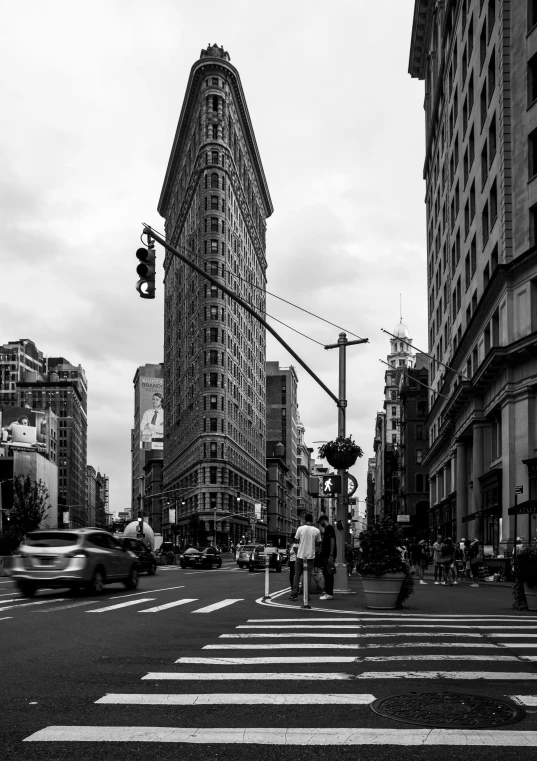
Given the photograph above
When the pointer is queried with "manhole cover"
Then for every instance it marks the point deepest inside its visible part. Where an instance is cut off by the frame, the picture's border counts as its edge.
(449, 710)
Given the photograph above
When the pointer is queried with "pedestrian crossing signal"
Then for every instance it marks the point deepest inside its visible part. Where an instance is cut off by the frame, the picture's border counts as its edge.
(331, 485)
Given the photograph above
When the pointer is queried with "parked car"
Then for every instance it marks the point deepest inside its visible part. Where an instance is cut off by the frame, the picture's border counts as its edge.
(147, 561)
(258, 557)
(76, 558)
(243, 554)
(200, 557)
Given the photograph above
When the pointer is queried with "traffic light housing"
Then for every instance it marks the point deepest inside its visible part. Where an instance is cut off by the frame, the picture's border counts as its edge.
(331, 485)
(146, 270)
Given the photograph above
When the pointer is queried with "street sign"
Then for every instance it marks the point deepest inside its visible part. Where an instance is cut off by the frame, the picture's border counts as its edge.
(519, 490)
(253, 520)
(352, 485)
(331, 485)
(403, 519)
(526, 508)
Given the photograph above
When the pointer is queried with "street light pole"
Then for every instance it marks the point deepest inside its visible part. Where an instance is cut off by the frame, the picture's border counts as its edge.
(342, 536)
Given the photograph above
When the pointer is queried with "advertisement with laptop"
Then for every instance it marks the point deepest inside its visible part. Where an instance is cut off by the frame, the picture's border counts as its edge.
(23, 427)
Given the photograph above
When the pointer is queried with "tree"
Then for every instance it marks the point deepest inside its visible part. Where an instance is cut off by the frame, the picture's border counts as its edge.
(30, 505)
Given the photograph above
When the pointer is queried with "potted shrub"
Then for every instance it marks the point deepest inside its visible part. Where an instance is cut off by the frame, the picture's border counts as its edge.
(386, 579)
(341, 453)
(525, 576)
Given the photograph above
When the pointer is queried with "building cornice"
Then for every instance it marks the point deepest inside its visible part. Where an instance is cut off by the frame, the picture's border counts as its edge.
(197, 73)
(421, 30)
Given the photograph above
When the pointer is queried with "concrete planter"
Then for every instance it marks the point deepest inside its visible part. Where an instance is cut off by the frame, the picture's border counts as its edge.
(381, 592)
(531, 595)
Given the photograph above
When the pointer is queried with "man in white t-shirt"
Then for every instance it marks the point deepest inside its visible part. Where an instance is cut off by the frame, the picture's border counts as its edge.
(306, 536)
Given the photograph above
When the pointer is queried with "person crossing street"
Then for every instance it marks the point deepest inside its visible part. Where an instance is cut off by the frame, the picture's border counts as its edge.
(306, 536)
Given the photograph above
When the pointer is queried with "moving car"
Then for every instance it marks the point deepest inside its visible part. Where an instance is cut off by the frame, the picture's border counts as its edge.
(147, 561)
(257, 559)
(243, 554)
(77, 558)
(200, 557)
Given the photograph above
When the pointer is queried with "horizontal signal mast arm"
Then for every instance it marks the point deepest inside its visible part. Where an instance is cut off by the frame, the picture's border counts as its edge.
(149, 231)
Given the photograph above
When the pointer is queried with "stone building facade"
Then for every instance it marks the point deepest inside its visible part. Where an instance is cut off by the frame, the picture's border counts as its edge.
(478, 60)
(215, 201)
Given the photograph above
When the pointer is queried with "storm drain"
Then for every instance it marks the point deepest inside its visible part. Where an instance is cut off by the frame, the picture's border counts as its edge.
(449, 710)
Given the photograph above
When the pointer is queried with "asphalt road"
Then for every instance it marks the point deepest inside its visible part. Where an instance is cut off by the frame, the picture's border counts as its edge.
(128, 676)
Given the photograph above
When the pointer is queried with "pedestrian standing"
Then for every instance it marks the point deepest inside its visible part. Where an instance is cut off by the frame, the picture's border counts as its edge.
(328, 556)
(292, 560)
(422, 560)
(306, 536)
(437, 551)
(476, 558)
(446, 558)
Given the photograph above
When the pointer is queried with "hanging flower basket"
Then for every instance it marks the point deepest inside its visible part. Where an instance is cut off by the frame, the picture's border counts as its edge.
(341, 453)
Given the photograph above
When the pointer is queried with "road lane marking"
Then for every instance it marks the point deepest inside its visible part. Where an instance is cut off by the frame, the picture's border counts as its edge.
(241, 698)
(499, 635)
(36, 602)
(66, 607)
(121, 605)
(343, 659)
(218, 605)
(485, 645)
(357, 618)
(174, 604)
(339, 676)
(525, 700)
(6, 618)
(389, 626)
(355, 636)
(518, 644)
(146, 591)
(321, 736)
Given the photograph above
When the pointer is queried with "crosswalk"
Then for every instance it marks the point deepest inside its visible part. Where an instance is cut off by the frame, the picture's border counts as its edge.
(443, 653)
(134, 604)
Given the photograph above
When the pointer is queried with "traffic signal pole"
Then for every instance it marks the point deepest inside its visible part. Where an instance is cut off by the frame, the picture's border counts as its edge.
(342, 579)
(340, 400)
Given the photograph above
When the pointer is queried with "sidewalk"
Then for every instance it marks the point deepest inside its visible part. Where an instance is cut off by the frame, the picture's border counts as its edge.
(489, 599)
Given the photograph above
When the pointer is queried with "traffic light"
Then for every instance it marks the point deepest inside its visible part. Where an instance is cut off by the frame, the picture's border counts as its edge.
(331, 485)
(146, 269)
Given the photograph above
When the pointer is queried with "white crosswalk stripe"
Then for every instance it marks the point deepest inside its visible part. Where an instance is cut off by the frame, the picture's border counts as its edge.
(502, 641)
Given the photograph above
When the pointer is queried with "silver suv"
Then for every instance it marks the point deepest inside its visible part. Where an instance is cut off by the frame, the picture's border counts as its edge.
(77, 558)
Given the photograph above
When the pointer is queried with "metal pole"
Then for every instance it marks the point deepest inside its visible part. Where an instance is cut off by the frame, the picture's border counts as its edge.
(305, 568)
(267, 577)
(341, 536)
(516, 524)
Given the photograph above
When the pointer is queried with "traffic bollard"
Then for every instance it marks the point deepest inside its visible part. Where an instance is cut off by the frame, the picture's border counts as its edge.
(267, 577)
(305, 583)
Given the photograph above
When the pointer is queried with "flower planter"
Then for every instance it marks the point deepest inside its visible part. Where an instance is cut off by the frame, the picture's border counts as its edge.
(531, 595)
(381, 592)
(341, 460)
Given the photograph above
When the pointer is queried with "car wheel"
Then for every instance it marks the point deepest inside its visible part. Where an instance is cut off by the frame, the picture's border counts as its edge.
(96, 585)
(279, 568)
(183, 565)
(131, 582)
(251, 567)
(152, 570)
(27, 588)
(219, 564)
(240, 565)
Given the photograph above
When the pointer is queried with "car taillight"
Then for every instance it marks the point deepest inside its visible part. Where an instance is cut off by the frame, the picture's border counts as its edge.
(77, 554)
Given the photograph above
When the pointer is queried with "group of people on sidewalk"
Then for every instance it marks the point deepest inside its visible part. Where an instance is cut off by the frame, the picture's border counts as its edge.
(452, 561)
(310, 547)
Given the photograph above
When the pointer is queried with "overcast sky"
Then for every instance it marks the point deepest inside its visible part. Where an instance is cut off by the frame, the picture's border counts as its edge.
(91, 95)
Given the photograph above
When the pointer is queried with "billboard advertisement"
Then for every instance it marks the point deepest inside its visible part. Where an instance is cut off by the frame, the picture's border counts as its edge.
(151, 413)
(23, 427)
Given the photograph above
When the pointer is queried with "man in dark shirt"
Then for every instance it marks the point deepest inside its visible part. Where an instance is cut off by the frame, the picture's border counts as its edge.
(328, 554)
